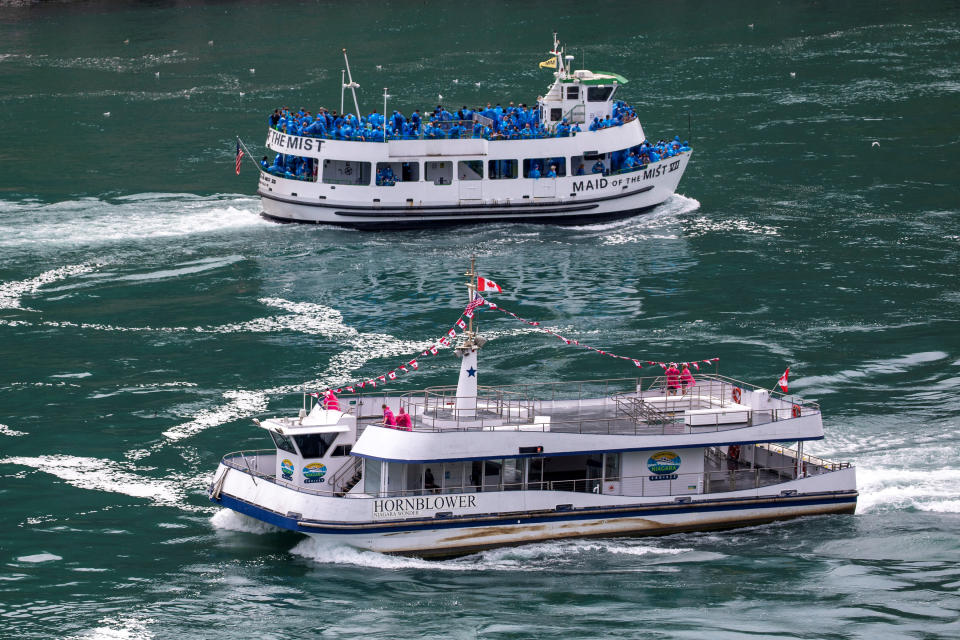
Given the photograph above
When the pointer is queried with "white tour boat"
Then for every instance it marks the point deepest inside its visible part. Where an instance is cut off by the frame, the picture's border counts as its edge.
(579, 155)
(486, 466)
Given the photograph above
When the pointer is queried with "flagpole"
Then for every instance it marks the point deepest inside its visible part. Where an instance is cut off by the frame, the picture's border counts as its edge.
(471, 291)
(777, 383)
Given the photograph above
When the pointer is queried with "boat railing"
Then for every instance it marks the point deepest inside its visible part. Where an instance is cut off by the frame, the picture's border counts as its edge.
(808, 460)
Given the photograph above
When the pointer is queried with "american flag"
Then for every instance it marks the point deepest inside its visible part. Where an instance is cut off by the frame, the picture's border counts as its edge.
(239, 156)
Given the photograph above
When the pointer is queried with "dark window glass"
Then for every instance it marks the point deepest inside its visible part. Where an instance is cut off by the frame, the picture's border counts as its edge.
(573, 93)
(314, 445)
(598, 94)
(283, 442)
(555, 114)
(502, 169)
(341, 450)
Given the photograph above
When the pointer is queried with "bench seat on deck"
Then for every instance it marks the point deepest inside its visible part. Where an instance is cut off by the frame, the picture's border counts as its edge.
(731, 413)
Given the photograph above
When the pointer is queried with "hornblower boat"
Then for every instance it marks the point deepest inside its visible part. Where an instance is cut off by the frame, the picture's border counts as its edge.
(455, 171)
(486, 466)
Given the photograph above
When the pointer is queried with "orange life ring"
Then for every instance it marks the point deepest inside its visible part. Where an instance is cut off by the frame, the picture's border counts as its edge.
(795, 411)
(735, 393)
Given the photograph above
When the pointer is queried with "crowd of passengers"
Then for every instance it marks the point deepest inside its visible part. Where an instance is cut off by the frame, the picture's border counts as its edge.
(618, 162)
(498, 123)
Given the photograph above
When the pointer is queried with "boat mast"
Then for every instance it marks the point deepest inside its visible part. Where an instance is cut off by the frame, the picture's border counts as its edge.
(466, 399)
(353, 86)
(471, 293)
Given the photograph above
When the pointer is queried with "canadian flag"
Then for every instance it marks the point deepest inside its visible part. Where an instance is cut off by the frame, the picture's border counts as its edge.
(461, 323)
(392, 375)
(783, 380)
(452, 333)
(487, 285)
(637, 362)
(414, 364)
(433, 351)
(350, 389)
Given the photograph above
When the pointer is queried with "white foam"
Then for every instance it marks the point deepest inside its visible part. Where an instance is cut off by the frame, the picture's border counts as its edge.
(887, 488)
(232, 521)
(543, 556)
(7, 431)
(92, 221)
(12, 292)
(100, 474)
(242, 404)
(128, 627)
(39, 557)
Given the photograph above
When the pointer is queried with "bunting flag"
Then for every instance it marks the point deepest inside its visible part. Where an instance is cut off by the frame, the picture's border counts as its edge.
(478, 303)
(487, 285)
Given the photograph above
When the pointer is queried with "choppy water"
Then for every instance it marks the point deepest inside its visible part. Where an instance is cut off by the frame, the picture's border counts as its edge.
(147, 311)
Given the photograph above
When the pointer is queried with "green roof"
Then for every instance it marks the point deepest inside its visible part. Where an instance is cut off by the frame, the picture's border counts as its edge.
(601, 77)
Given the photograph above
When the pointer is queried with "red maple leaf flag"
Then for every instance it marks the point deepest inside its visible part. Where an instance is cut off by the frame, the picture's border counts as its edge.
(783, 380)
(487, 285)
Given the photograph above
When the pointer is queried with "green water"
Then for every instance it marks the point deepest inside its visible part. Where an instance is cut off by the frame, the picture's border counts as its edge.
(147, 312)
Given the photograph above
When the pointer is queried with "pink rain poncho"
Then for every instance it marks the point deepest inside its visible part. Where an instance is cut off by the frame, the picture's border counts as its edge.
(388, 418)
(673, 377)
(330, 401)
(403, 421)
(686, 378)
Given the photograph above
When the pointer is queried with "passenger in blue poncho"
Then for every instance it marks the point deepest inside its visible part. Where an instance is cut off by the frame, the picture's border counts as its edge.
(598, 167)
(534, 172)
(552, 173)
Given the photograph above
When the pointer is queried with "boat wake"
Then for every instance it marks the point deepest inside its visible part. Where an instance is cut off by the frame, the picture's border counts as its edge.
(150, 216)
(543, 556)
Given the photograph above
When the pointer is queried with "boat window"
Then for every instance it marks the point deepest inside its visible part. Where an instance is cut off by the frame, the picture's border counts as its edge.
(535, 474)
(502, 169)
(372, 469)
(476, 476)
(314, 445)
(611, 467)
(453, 477)
(543, 165)
(438, 172)
(283, 442)
(470, 170)
(556, 114)
(341, 450)
(599, 94)
(512, 474)
(590, 163)
(573, 93)
(346, 172)
(390, 173)
(491, 475)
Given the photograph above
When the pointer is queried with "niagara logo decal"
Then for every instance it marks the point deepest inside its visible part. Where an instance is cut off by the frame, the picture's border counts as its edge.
(286, 468)
(314, 472)
(663, 464)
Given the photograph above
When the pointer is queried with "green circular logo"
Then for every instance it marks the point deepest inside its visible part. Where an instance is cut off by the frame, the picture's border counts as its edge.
(663, 462)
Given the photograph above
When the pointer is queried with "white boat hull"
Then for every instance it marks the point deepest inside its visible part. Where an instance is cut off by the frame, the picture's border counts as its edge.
(450, 525)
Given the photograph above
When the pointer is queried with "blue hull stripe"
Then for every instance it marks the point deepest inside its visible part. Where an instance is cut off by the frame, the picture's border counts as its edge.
(293, 524)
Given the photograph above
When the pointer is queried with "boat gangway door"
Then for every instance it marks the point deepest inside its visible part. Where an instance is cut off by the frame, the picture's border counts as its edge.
(545, 188)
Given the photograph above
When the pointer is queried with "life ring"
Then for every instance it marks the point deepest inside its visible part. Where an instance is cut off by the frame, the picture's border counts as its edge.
(795, 411)
(736, 394)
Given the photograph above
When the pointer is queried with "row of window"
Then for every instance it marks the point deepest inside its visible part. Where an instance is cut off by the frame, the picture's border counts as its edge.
(565, 473)
(441, 172)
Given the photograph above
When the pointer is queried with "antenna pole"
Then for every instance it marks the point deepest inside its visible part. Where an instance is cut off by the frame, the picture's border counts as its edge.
(343, 85)
(471, 291)
(385, 96)
(353, 85)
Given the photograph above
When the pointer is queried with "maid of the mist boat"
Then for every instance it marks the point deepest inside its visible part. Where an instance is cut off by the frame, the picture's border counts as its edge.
(485, 466)
(464, 171)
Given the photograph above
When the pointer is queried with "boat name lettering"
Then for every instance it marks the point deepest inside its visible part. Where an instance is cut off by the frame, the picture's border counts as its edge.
(294, 143)
(386, 507)
(671, 476)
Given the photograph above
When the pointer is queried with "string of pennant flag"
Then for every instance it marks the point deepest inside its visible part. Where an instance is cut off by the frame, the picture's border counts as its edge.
(461, 325)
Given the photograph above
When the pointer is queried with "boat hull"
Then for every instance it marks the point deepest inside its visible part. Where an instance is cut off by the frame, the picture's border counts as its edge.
(443, 535)
(585, 199)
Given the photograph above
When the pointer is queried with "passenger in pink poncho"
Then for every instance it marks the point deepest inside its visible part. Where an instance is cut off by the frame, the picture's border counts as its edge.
(330, 401)
(388, 418)
(686, 378)
(403, 421)
(673, 379)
